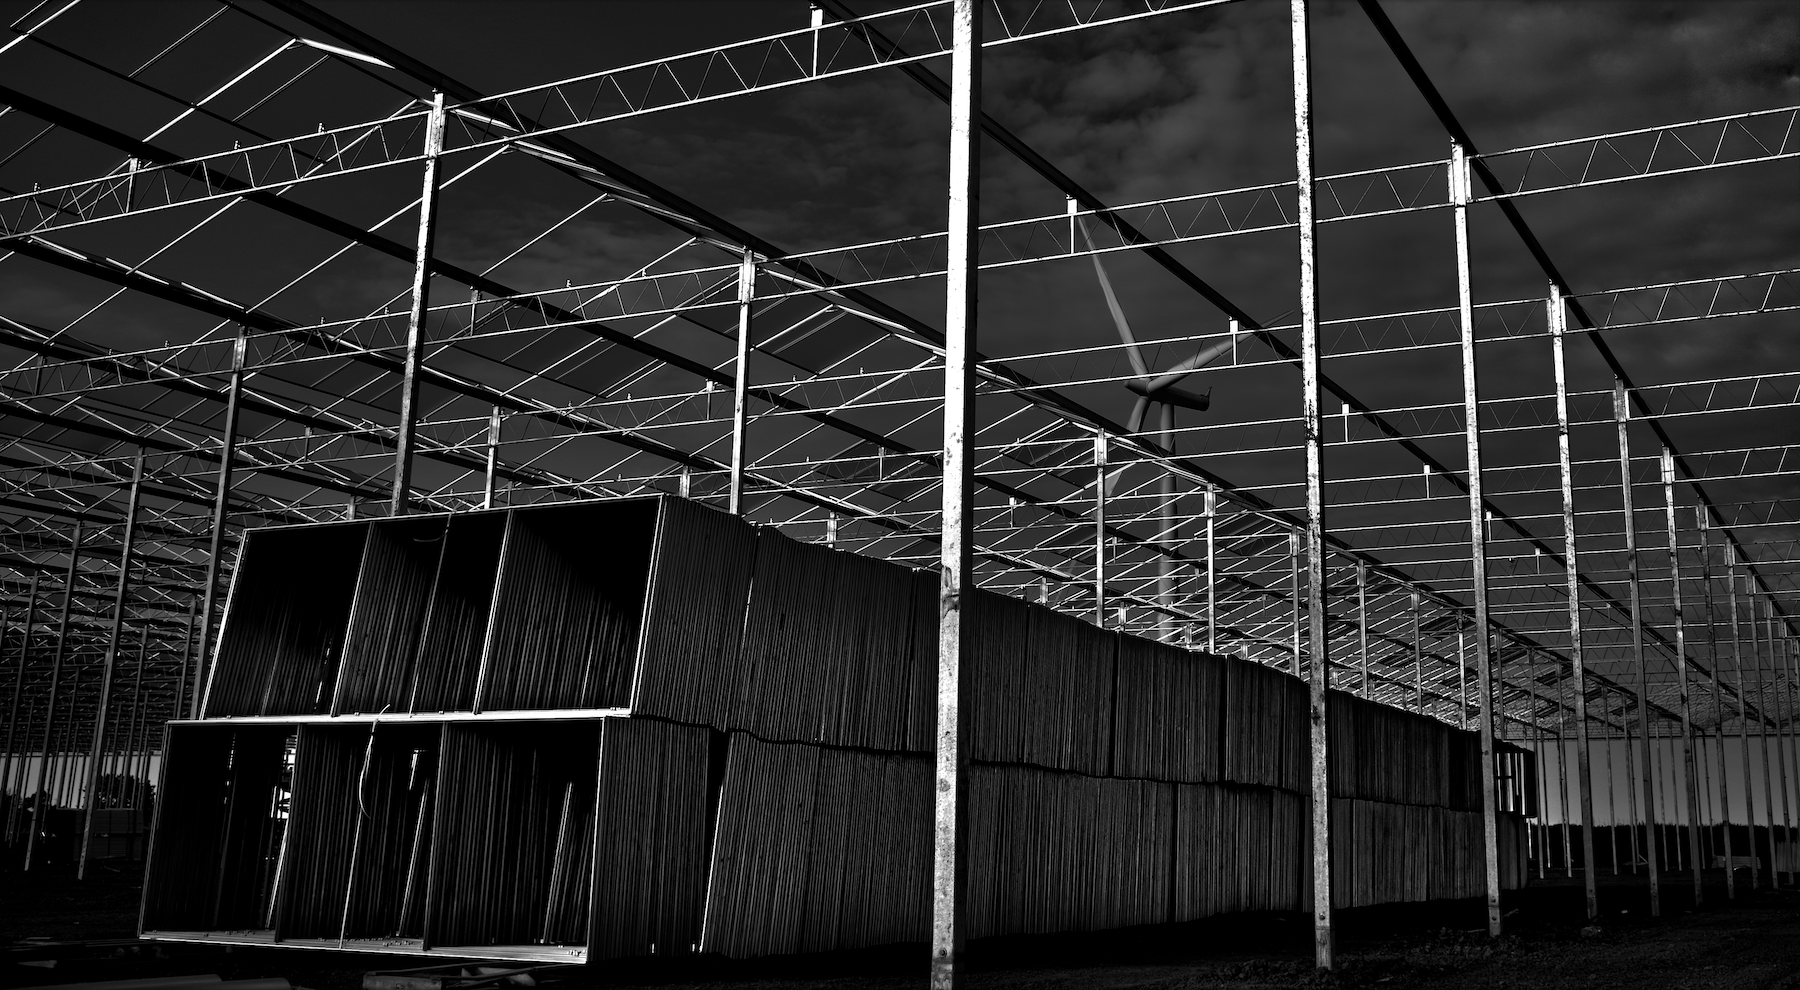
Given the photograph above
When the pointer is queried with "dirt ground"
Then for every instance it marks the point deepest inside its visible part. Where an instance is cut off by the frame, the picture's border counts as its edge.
(1750, 943)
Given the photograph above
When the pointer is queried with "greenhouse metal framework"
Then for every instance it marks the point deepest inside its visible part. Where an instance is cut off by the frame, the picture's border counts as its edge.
(1645, 593)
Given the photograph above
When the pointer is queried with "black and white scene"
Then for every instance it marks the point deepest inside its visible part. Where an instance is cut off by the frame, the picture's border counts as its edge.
(899, 494)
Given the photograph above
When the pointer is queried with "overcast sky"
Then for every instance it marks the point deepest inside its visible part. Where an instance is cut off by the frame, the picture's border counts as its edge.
(1185, 103)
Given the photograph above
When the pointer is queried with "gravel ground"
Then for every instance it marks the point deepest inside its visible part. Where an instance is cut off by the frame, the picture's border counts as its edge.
(1752, 943)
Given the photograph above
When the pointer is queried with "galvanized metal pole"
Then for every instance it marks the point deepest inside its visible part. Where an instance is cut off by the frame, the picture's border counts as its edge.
(1462, 679)
(56, 662)
(1319, 681)
(1788, 671)
(16, 778)
(12, 718)
(133, 745)
(1630, 782)
(493, 458)
(1558, 319)
(1100, 456)
(187, 653)
(1418, 645)
(1362, 621)
(740, 386)
(1781, 771)
(1294, 606)
(421, 302)
(1543, 795)
(1762, 729)
(1690, 777)
(950, 836)
(127, 547)
(1712, 662)
(1460, 196)
(1562, 784)
(1737, 666)
(1170, 538)
(1787, 675)
(1212, 574)
(215, 558)
(1621, 417)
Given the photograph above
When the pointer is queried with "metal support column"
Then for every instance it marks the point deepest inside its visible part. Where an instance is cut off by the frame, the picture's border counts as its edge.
(56, 662)
(1787, 675)
(1737, 667)
(176, 705)
(1621, 417)
(1690, 777)
(1584, 774)
(1168, 534)
(1319, 679)
(950, 845)
(1212, 574)
(18, 770)
(1562, 785)
(12, 718)
(1362, 621)
(1418, 644)
(1712, 662)
(740, 386)
(1294, 608)
(1543, 795)
(1100, 456)
(221, 500)
(493, 458)
(1762, 728)
(1460, 195)
(1781, 763)
(112, 657)
(421, 302)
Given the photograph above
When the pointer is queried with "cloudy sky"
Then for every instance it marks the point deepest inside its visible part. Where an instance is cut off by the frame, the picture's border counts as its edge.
(1179, 104)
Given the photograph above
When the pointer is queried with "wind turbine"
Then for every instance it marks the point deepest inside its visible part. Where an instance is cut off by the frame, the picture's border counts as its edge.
(1156, 390)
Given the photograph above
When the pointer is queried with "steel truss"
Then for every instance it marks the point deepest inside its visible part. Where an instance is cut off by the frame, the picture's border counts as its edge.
(1619, 590)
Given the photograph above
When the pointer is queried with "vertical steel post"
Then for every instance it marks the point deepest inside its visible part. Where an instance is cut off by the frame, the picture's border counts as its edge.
(1462, 679)
(1787, 674)
(133, 746)
(187, 653)
(12, 718)
(111, 661)
(493, 458)
(1621, 417)
(1630, 781)
(1294, 606)
(1362, 621)
(1212, 574)
(221, 501)
(1775, 674)
(1690, 778)
(16, 778)
(1584, 782)
(1762, 727)
(950, 846)
(740, 386)
(56, 662)
(1418, 644)
(1712, 661)
(1737, 666)
(1169, 536)
(1319, 680)
(1100, 456)
(421, 302)
(1562, 785)
(1543, 794)
(1460, 195)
